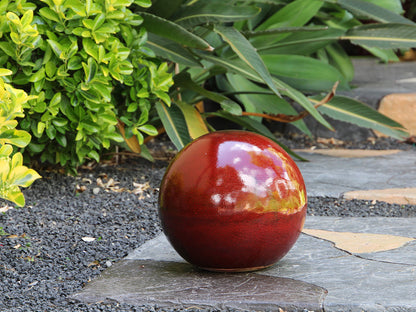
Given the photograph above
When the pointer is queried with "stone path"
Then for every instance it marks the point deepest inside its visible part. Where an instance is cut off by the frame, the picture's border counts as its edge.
(326, 175)
(338, 264)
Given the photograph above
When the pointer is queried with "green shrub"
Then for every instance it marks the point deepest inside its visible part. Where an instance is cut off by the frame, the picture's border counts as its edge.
(12, 172)
(259, 57)
(86, 62)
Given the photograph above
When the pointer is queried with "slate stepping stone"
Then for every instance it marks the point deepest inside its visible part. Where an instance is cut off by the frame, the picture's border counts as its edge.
(180, 285)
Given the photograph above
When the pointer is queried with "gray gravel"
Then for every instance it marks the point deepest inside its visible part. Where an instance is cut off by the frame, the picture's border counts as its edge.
(46, 256)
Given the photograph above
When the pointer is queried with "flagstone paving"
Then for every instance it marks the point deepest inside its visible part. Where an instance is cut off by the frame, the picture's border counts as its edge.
(333, 176)
(337, 264)
(315, 275)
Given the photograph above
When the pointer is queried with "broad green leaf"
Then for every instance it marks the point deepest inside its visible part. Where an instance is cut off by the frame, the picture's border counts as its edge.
(50, 132)
(353, 111)
(203, 12)
(172, 51)
(90, 47)
(240, 68)
(90, 126)
(19, 138)
(304, 73)
(149, 130)
(49, 14)
(373, 11)
(246, 52)
(5, 72)
(143, 3)
(8, 48)
(59, 122)
(23, 176)
(194, 121)
(296, 13)
(258, 101)
(387, 36)
(5, 150)
(184, 80)
(56, 47)
(61, 139)
(254, 126)
(173, 31)
(14, 195)
(174, 124)
(94, 155)
(27, 18)
(39, 75)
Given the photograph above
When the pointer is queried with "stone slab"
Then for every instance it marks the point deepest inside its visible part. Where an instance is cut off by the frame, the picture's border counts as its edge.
(400, 107)
(382, 281)
(401, 196)
(348, 153)
(333, 176)
(178, 285)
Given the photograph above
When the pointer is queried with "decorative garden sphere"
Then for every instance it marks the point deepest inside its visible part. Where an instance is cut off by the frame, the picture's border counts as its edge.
(232, 201)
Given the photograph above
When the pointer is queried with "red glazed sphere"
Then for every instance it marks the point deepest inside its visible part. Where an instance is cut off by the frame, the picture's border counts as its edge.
(232, 201)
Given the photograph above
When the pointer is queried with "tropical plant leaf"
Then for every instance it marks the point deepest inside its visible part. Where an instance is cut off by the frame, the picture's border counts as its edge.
(240, 68)
(174, 123)
(386, 36)
(373, 11)
(172, 51)
(203, 12)
(194, 121)
(353, 111)
(391, 5)
(259, 101)
(165, 8)
(340, 60)
(299, 42)
(310, 74)
(184, 80)
(283, 30)
(246, 52)
(296, 13)
(385, 55)
(255, 126)
(168, 29)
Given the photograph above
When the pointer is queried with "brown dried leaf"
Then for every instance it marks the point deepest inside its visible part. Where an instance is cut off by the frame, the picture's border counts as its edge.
(94, 263)
(5, 208)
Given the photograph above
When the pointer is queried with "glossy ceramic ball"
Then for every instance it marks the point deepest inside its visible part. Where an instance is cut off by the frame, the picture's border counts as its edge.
(232, 201)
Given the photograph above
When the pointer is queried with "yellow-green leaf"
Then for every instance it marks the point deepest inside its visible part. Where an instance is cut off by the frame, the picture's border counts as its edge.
(194, 121)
